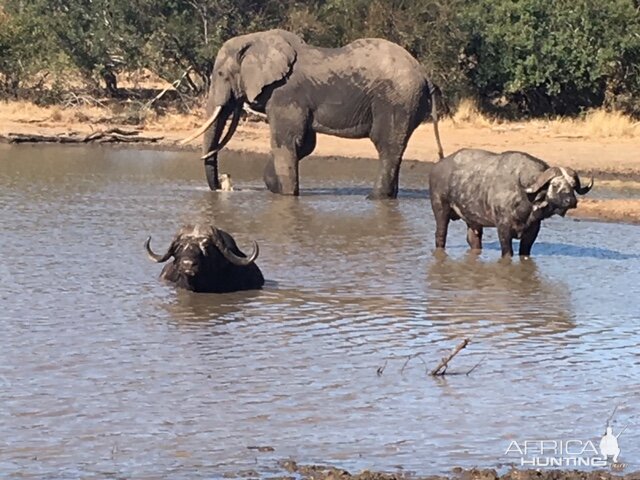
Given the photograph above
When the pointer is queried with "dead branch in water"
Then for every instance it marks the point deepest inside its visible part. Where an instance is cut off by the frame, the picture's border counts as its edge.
(445, 361)
(441, 369)
(476, 365)
(411, 357)
(112, 135)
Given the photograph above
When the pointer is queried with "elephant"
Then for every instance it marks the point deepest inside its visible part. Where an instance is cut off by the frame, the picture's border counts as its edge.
(371, 88)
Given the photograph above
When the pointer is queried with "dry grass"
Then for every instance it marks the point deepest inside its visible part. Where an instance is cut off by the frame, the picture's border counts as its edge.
(142, 78)
(23, 111)
(600, 123)
(468, 114)
(176, 121)
(594, 124)
(27, 112)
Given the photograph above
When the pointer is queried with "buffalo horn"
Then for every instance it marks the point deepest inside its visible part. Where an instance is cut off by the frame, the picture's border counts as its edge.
(580, 190)
(154, 256)
(544, 178)
(232, 257)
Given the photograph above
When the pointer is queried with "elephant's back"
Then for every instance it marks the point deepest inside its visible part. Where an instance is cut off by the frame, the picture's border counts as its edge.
(381, 47)
(373, 63)
(386, 57)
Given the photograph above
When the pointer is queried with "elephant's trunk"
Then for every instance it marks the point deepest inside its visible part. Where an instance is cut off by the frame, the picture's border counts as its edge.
(210, 147)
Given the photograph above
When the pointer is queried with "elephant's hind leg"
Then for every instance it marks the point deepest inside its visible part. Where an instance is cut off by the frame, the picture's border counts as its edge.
(390, 138)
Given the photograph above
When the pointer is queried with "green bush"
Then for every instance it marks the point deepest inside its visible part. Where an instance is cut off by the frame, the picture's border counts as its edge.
(552, 57)
(527, 57)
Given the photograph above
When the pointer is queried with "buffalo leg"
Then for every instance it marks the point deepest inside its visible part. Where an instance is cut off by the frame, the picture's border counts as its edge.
(441, 213)
(528, 237)
(474, 237)
(505, 237)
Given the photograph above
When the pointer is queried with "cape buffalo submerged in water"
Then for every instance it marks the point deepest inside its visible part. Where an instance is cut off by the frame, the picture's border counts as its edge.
(512, 191)
(207, 259)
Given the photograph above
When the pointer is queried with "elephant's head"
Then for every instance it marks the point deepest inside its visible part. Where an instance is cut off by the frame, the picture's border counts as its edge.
(244, 67)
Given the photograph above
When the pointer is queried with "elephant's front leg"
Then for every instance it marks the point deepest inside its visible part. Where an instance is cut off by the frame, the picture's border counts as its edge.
(288, 127)
(281, 172)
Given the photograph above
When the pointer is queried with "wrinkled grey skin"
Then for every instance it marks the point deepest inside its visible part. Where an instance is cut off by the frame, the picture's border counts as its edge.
(207, 259)
(512, 191)
(370, 88)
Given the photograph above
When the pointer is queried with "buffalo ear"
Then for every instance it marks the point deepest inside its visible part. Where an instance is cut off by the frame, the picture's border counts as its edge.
(264, 61)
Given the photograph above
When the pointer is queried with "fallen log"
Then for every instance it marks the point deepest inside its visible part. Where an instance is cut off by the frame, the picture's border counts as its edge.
(112, 135)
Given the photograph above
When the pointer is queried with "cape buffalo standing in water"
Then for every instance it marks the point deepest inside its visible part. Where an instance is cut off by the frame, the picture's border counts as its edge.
(207, 259)
(512, 191)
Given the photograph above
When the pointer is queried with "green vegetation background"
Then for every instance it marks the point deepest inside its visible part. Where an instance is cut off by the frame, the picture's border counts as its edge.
(515, 57)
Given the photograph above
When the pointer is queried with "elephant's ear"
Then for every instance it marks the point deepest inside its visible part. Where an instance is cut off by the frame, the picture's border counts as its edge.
(264, 61)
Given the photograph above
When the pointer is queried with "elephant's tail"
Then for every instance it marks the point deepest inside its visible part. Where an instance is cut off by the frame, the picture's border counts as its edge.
(436, 96)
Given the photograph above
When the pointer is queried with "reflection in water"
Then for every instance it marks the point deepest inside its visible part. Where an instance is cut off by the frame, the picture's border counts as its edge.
(511, 294)
(106, 372)
(197, 309)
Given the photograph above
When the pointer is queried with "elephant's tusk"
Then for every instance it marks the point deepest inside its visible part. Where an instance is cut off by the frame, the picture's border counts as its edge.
(204, 128)
(230, 131)
(210, 154)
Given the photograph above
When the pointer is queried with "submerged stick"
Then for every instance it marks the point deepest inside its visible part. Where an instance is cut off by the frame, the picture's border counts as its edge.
(409, 358)
(445, 361)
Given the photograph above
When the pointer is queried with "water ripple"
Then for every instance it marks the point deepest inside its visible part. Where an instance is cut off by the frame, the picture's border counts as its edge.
(106, 372)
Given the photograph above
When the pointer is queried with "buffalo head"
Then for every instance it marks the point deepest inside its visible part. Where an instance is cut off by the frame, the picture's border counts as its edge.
(555, 188)
(206, 258)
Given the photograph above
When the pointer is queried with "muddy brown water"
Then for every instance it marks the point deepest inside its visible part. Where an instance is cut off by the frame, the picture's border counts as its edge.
(107, 373)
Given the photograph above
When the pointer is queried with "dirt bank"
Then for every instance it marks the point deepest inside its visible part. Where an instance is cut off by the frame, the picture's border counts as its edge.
(605, 152)
(320, 472)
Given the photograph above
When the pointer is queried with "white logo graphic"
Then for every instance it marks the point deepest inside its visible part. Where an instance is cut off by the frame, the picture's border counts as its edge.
(609, 445)
(568, 453)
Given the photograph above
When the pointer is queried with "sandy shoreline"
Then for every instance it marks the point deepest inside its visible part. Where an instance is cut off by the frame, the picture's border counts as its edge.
(613, 161)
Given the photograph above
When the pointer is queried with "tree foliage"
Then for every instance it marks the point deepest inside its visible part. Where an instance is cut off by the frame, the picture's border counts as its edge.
(555, 57)
(535, 56)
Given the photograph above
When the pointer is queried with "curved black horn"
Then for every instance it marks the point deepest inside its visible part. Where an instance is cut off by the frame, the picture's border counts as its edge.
(544, 178)
(154, 256)
(232, 257)
(580, 190)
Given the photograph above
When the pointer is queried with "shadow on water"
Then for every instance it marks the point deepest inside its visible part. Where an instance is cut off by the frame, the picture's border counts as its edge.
(567, 250)
(510, 297)
(421, 193)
